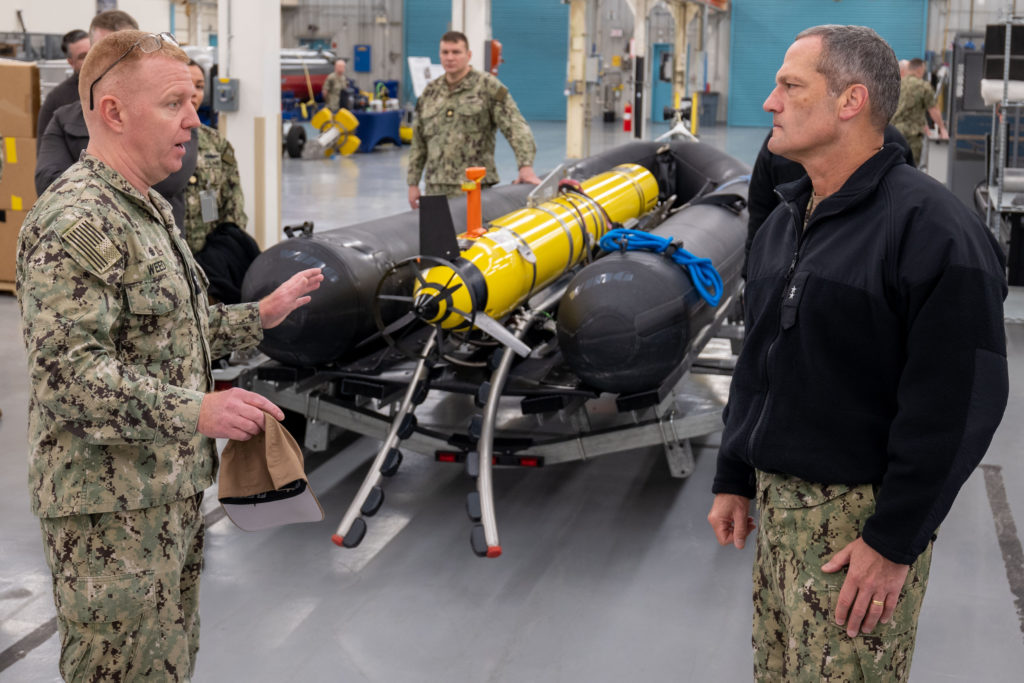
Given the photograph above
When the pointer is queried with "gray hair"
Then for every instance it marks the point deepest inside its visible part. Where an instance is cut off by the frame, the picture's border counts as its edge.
(856, 54)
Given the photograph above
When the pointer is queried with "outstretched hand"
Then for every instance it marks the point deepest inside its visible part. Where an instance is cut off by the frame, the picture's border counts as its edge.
(291, 294)
(526, 175)
(234, 414)
(871, 589)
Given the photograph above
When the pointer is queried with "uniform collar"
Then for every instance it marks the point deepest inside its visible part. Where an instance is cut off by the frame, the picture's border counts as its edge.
(153, 203)
(470, 76)
(867, 176)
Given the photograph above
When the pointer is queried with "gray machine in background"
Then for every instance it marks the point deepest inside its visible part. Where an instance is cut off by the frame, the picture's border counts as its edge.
(970, 121)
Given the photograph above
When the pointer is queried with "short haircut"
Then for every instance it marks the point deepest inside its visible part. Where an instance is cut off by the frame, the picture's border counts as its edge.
(916, 63)
(113, 20)
(71, 37)
(455, 37)
(110, 49)
(856, 54)
(342, 60)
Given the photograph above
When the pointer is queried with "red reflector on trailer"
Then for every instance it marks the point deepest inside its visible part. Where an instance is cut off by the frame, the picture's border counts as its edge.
(446, 456)
(529, 462)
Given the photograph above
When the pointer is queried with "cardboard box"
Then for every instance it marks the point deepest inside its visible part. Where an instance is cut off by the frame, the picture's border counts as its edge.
(10, 225)
(19, 98)
(17, 184)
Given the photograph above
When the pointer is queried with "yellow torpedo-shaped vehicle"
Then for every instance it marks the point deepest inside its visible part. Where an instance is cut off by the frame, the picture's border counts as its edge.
(526, 250)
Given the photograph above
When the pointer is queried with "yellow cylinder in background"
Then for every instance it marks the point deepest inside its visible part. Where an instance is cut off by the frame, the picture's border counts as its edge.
(527, 249)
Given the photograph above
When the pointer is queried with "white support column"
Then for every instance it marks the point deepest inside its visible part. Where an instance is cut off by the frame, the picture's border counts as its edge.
(577, 125)
(192, 13)
(473, 17)
(249, 48)
(680, 12)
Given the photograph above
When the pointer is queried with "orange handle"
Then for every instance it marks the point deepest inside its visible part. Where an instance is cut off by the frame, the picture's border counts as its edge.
(474, 215)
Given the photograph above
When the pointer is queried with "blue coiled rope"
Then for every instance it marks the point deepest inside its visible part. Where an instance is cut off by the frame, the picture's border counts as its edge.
(706, 280)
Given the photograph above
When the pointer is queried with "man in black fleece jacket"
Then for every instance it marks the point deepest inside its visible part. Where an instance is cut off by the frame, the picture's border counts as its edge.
(872, 377)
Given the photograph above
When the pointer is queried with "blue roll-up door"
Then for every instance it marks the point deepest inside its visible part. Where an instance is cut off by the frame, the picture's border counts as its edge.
(762, 30)
(534, 35)
(424, 22)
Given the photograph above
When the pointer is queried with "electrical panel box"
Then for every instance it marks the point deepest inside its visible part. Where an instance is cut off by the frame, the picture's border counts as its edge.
(362, 58)
(225, 94)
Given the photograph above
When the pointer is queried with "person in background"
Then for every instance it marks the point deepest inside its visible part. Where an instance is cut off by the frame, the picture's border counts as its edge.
(122, 412)
(215, 219)
(917, 103)
(872, 377)
(455, 124)
(66, 136)
(75, 45)
(338, 88)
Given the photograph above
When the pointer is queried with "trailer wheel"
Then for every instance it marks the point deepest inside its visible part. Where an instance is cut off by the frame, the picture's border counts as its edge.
(295, 140)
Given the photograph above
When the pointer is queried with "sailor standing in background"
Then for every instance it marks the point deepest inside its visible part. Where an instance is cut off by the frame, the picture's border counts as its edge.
(455, 124)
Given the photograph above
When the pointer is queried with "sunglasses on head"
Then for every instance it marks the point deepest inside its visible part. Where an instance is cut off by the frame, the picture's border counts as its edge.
(148, 43)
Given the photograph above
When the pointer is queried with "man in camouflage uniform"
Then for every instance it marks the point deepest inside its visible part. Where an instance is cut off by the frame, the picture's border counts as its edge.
(456, 119)
(337, 89)
(214, 192)
(917, 98)
(215, 220)
(119, 338)
(860, 402)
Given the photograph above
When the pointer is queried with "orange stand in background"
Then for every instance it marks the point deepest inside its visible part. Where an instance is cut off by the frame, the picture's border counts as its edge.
(474, 219)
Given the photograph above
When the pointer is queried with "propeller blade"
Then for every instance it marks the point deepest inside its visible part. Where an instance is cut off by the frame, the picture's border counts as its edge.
(390, 329)
(500, 333)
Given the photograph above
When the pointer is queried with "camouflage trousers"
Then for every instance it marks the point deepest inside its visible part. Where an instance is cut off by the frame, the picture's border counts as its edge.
(916, 143)
(795, 635)
(126, 587)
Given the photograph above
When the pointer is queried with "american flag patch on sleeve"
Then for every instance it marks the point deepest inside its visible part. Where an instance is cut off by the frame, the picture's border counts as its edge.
(90, 246)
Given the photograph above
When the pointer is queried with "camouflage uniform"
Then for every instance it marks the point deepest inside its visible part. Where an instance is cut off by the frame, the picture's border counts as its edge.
(119, 339)
(795, 635)
(916, 97)
(217, 172)
(455, 128)
(332, 90)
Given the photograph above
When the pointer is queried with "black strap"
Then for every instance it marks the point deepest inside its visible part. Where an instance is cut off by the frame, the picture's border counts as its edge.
(731, 202)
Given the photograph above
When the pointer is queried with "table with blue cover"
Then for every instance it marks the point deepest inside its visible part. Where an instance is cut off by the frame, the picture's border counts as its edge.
(377, 126)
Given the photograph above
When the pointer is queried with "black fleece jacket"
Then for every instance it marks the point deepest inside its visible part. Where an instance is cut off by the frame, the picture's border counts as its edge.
(875, 350)
(771, 170)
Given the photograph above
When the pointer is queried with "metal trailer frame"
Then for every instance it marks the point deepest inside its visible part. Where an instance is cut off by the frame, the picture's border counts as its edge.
(591, 426)
(571, 424)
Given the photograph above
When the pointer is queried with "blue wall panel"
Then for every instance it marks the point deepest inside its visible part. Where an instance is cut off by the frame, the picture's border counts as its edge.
(534, 35)
(424, 22)
(763, 29)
